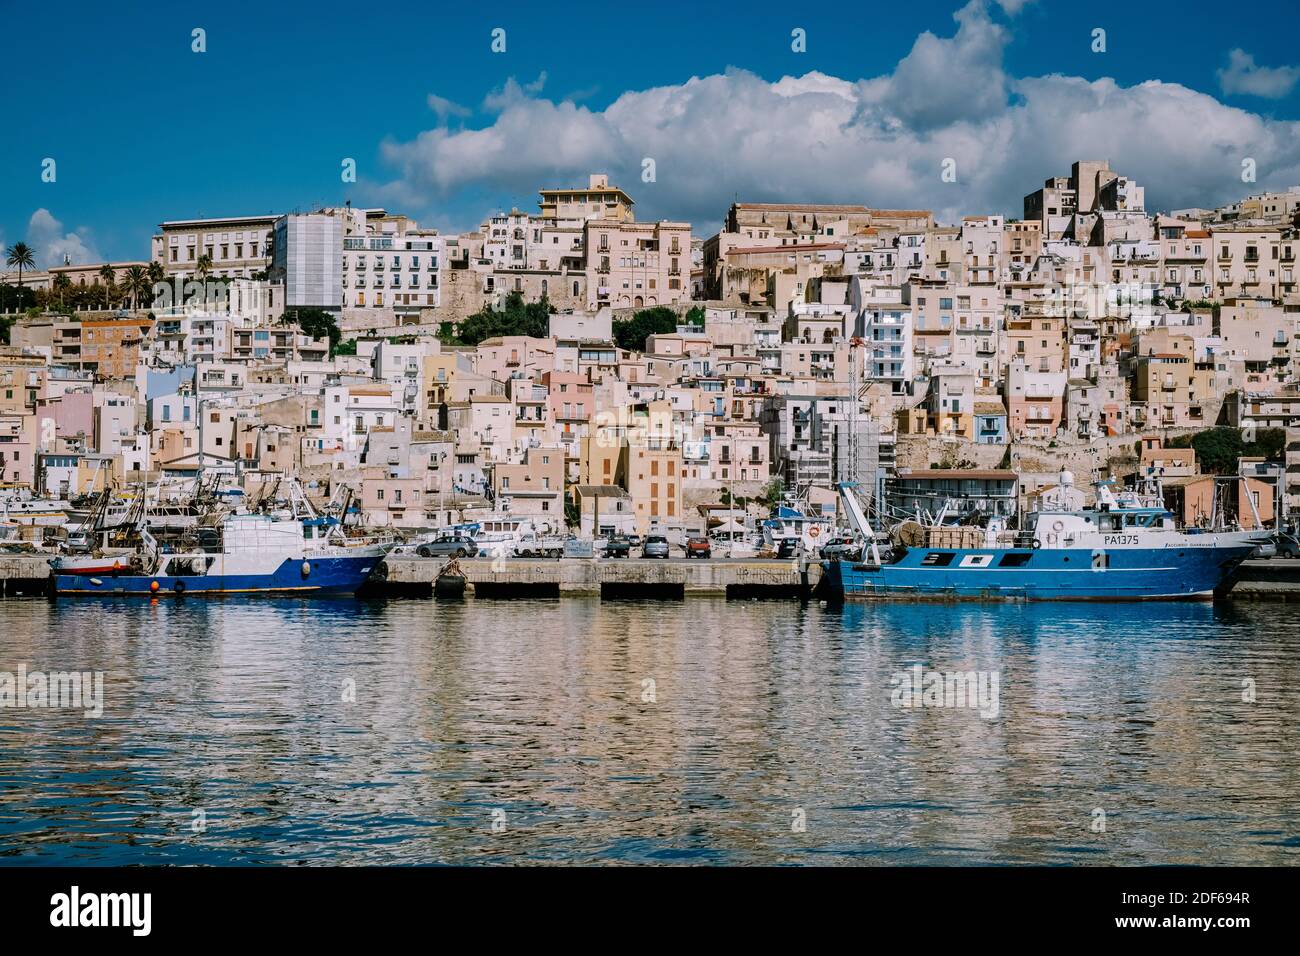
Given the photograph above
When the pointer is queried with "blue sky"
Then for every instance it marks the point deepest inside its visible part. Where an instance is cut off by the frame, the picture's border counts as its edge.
(143, 129)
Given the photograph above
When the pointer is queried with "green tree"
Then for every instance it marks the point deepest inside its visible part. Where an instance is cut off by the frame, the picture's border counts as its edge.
(203, 267)
(156, 274)
(772, 492)
(109, 275)
(135, 284)
(695, 316)
(61, 283)
(21, 257)
(515, 317)
(317, 324)
(1217, 449)
(632, 333)
(13, 299)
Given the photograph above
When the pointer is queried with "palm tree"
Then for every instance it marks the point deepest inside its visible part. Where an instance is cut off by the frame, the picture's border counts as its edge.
(157, 277)
(109, 275)
(135, 283)
(62, 282)
(20, 255)
(203, 267)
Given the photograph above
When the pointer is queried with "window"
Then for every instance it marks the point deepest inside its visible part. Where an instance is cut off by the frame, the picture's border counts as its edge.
(937, 559)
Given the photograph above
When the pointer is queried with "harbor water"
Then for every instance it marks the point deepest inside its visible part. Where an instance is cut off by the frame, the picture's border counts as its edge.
(342, 731)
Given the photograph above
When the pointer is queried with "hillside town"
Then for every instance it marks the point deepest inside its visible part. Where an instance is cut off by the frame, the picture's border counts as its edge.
(599, 375)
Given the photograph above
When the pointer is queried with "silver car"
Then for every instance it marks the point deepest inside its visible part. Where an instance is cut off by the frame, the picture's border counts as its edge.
(656, 546)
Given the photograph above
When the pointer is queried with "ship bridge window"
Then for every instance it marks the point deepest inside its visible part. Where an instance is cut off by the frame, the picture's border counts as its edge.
(937, 559)
(977, 561)
(1015, 559)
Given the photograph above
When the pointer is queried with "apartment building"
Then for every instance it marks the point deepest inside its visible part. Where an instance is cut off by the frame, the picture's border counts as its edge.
(1253, 261)
(636, 265)
(1035, 401)
(236, 247)
(390, 267)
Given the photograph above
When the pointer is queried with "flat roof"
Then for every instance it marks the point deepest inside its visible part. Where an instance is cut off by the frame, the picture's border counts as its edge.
(227, 219)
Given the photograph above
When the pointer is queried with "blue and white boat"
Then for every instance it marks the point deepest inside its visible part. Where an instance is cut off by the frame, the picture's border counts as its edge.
(1107, 553)
(259, 553)
(789, 522)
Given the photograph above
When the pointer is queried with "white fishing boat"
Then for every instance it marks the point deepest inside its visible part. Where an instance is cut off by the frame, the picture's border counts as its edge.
(21, 508)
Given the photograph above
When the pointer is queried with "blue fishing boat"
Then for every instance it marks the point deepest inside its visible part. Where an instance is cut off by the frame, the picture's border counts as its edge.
(1107, 553)
(258, 553)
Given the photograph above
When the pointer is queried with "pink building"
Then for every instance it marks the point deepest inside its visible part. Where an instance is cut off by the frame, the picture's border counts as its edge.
(514, 356)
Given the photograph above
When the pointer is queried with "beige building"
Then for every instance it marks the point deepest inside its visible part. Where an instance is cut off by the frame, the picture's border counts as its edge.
(599, 200)
(1253, 261)
(636, 264)
(535, 486)
(239, 246)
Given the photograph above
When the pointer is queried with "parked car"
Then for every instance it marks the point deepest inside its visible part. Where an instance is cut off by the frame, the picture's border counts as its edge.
(785, 547)
(634, 540)
(1287, 545)
(698, 547)
(617, 546)
(1266, 550)
(458, 545)
(840, 549)
(656, 546)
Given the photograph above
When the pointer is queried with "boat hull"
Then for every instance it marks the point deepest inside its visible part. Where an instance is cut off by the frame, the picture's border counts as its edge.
(312, 575)
(1045, 574)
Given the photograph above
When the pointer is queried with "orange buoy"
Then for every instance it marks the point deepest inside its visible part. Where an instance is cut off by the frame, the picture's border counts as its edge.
(153, 585)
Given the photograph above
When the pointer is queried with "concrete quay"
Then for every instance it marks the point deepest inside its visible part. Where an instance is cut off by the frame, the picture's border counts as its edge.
(1274, 579)
(615, 577)
(24, 573)
(1277, 579)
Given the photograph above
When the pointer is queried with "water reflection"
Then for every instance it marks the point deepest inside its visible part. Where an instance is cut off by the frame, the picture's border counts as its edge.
(697, 731)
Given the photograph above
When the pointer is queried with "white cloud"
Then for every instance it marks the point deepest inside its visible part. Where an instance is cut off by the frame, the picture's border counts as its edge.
(444, 108)
(1244, 76)
(879, 140)
(51, 243)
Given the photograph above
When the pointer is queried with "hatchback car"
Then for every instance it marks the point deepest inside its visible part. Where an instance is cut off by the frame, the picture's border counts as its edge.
(656, 546)
(1288, 546)
(840, 549)
(459, 546)
(698, 547)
